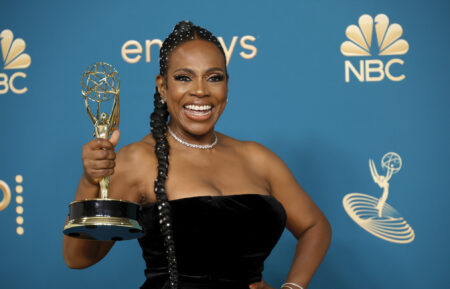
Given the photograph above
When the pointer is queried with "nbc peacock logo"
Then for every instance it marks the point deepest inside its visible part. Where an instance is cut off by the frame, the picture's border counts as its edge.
(13, 57)
(361, 44)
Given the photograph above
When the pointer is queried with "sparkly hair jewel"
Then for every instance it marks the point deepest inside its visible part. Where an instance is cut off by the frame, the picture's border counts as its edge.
(184, 31)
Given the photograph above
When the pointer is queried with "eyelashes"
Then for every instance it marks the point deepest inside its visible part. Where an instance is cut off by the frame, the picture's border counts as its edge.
(182, 78)
(186, 78)
(217, 77)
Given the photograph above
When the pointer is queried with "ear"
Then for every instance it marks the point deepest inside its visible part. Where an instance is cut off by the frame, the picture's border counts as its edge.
(162, 86)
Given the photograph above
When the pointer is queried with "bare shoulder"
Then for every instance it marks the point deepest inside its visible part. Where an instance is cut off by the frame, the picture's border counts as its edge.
(138, 152)
(134, 169)
(135, 160)
(300, 209)
(257, 155)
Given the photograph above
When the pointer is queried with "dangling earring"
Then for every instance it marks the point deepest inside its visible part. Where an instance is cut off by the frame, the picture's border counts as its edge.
(162, 101)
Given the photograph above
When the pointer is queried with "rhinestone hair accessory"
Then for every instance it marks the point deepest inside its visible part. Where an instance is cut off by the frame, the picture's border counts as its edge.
(209, 146)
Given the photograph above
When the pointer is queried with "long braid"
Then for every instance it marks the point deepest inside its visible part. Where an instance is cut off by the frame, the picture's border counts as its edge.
(158, 126)
(184, 31)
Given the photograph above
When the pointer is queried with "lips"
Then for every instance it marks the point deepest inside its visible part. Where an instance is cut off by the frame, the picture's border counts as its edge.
(198, 112)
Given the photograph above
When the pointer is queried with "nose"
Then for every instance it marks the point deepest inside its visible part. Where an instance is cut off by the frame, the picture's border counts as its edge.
(200, 88)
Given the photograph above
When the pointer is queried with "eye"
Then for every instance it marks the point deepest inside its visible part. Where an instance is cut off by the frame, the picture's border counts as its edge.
(216, 78)
(182, 77)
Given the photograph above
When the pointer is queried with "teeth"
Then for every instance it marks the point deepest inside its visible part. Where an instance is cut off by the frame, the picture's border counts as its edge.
(198, 107)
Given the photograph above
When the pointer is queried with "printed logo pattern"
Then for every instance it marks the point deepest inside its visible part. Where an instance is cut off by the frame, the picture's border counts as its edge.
(360, 38)
(14, 58)
(12, 51)
(375, 215)
(6, 199)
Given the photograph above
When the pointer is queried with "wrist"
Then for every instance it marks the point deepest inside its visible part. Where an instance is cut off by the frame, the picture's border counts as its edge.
(87, 189)
(87, 180)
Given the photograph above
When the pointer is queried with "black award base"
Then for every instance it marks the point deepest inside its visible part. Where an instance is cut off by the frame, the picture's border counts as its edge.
(104, 219)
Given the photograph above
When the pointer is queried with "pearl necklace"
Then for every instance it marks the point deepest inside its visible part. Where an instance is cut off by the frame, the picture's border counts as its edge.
(209, 146)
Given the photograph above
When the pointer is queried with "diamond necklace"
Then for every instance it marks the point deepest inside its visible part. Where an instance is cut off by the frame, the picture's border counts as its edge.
(209, 146)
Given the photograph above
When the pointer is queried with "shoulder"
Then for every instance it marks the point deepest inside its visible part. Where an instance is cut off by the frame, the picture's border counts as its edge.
(251, 149)
(139, 152)
(254, 153)
(133, 171)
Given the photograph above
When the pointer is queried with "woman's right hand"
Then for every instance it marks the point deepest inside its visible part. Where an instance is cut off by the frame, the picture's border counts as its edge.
(99, 158)
(98, 161)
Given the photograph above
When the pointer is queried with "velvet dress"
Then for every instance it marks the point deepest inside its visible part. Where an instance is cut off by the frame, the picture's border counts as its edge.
(221, 241)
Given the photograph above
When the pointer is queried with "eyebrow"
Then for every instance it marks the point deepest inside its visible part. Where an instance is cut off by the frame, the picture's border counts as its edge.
(193, 72)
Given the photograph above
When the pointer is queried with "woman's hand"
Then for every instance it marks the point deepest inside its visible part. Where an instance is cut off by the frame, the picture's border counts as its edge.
(260, 285)
(99, 158)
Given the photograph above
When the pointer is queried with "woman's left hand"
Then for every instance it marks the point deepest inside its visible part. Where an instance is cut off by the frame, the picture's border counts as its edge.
(260, 285)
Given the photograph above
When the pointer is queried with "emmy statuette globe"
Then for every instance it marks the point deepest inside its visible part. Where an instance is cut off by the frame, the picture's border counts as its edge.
(103, 218)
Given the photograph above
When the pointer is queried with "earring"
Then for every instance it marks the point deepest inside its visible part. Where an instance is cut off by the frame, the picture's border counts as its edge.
(162, 101)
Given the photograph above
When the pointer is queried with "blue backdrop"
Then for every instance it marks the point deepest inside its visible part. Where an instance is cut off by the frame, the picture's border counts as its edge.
(292, 96)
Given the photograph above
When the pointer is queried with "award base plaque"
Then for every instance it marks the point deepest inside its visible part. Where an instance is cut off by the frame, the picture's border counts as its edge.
(103, 218)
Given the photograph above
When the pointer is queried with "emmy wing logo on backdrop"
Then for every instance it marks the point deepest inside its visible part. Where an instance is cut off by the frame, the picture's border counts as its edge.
(5, 199)
(375, 215)
(360, 44)
(13, 58)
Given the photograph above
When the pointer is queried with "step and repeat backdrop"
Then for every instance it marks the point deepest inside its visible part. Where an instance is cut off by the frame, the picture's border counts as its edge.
(352, 95)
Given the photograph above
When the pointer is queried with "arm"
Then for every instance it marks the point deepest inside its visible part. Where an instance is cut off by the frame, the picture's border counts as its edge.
(99, 160)
(304, 219)
(80, 253)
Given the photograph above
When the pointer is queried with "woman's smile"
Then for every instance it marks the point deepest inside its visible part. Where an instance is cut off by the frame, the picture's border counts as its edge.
(195, 89)
(198, 112)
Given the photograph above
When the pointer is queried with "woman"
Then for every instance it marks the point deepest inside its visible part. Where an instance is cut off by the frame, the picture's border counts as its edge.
(213, 215)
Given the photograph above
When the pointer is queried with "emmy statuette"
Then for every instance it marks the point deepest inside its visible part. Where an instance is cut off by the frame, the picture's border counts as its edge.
(103, 218)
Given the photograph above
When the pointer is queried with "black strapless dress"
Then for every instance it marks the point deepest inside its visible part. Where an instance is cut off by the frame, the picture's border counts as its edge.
(221, 241)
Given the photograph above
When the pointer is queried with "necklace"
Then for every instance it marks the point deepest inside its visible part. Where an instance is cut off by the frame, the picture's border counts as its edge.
(209, 146)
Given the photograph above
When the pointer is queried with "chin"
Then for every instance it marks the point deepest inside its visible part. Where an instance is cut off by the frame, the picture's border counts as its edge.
(198, 128)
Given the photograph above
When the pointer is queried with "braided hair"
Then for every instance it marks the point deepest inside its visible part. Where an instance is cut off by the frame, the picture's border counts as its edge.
(184, 31)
